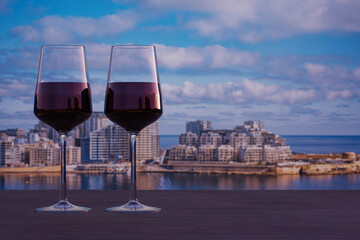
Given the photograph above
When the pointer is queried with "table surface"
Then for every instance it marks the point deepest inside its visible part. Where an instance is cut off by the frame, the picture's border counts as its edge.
(185, 215)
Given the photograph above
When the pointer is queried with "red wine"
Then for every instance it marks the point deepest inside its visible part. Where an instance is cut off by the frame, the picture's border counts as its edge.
(63, 105)
(133, 105)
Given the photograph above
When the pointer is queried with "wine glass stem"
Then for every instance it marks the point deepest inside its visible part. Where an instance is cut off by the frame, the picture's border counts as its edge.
(133, 195)
(63, 195)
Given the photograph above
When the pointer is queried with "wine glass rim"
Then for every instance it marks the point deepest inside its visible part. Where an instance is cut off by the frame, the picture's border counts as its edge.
(132, 45)
(63, 46)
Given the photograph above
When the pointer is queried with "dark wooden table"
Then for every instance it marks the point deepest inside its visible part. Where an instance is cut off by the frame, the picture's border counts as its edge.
(186, 215)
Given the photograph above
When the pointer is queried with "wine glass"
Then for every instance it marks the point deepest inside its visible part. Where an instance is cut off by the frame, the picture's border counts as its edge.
(133, 101)
(63, 101)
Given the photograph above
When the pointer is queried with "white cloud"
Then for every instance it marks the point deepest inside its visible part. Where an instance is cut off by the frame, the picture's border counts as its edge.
(344, 94)
(58, 29)
(208, 57)
(333, 79)
(16, 88)
(254, 21)
(257, 89)
(316, 69)
(357, 73)
(237, 92)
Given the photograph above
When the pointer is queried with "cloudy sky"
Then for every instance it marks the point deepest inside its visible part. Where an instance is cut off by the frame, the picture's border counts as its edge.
(294, 64)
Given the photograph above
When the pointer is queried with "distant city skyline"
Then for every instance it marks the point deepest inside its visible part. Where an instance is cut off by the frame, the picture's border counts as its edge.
(295, 65)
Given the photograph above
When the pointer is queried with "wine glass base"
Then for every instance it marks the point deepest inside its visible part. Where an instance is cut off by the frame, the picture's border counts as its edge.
(133, 206)
(63, 206)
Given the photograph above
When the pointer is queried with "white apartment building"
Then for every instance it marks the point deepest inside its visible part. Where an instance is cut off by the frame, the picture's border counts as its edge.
(41, 156)
(225, 153)
(148, 143)
(284, 153)
(207, 153)
(251, 153)
(99, 144)
(6, 153)
(210, 138)
(183, 153)
(18, 154)
(256, 138)
(112, 144)
(73, 155)
(238, 140)
(265, 153)
(188, 139)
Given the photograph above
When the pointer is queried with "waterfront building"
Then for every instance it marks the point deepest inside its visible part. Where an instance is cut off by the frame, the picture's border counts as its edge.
(271, 138)
(256, 138)
(270, 154)
(251, 153)
(18, 154)
(225, 153)
(188, 139)
(41, 154)
(224, 133)
(48, 154)
(84, 144)
(238, 140)
(265, 153)
(73, 155)
(210, 138)
(198, 126)
(97, 121)
(207, 153)
(111, 144)
(6, 153)
(183, 153)
(98, 145)
(148, 143)
(284, 153)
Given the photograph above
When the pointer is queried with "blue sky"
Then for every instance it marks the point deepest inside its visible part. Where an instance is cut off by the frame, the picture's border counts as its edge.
(294, 64)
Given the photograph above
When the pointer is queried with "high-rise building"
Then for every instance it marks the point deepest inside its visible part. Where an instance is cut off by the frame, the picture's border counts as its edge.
(6, 153)
(84, 144)
(97, 121)
(188, 139)
(18, 154)
(99, 143)
(148, 143)
(198, 126)
(112, 144)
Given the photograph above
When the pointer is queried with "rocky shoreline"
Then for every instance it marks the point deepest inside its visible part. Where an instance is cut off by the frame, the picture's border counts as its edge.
(219, 168)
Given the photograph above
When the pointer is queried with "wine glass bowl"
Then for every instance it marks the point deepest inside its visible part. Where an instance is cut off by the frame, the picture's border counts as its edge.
(63, 101)
(133, 101)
